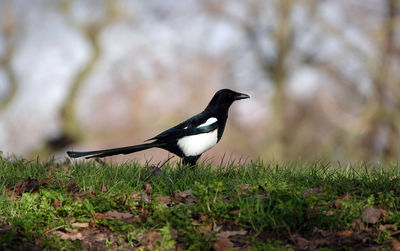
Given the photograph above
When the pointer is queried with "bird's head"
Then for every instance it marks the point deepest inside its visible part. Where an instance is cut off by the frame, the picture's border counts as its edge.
(224, 98)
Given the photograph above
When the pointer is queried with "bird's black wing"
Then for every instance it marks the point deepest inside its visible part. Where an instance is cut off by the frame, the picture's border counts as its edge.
(170, 133)
(186, 128)
(204, 129)
(174, 132)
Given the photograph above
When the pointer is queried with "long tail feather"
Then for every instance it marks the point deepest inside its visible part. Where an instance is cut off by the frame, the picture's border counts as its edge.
(113, 151)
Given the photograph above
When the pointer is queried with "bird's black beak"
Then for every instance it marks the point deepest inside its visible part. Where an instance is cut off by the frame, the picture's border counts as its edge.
(239, 96)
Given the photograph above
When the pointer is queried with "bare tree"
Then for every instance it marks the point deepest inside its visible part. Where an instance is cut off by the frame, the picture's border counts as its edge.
(376, 130)
(379, 111)
(71, 131)
(276, 66)
(9, 35)
(383, 118)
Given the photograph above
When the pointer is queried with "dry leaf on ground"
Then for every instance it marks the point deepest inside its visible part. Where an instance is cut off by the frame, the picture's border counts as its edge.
(385, 227)
(148, 188)
(28, 186)
(345, 233)
(78, 196)
(80, 224)
(44, 182)
(91, 238)
(5, 228)
(69, 235)
(71, 186)
(339, 202)
(242, 186)
(143, 214)
(330, 213)
(223, 244)
(145, 198)
(136, 195)
(395, 245)
(164, 199)
(358, 225)
(186, 197)
(301, 242)
(205, 229)
(181, 195)
(150, 239)
(118, 216)
(65, 168)
(371, 215)
(227, 234)
(56, 203)
(103, 187)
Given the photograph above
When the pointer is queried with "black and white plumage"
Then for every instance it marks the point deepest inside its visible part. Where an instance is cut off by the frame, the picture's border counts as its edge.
(188, 139)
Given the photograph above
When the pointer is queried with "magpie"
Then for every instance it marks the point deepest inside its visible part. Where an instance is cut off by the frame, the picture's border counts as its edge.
(189, 139)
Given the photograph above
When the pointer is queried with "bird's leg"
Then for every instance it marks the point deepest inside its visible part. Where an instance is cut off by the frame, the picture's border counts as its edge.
(190, 160)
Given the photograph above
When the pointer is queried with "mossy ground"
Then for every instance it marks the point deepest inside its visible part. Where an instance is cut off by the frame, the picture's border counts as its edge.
(257, 205)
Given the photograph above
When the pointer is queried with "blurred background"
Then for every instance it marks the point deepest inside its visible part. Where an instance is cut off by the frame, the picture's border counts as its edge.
(323, 76)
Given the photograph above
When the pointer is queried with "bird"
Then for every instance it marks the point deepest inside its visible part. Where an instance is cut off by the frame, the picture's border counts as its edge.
(189, 139)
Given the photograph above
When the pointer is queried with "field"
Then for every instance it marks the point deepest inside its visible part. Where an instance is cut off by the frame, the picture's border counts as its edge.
(235, 206)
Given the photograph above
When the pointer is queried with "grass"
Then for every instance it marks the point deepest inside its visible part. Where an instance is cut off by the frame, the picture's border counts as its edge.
(257, 205)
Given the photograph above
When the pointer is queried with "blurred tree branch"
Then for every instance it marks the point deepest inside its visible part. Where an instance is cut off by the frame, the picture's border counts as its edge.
(384, 118)
(379, 122)
(276, 67)
(8, 30)
(71, 130)
(380, 119)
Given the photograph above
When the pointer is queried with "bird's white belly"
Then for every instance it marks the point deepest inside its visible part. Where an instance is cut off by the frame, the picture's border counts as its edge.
(197, 144)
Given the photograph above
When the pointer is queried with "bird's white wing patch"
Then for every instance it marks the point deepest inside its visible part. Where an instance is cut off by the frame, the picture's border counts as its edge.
(194, 145)
(209, 121)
